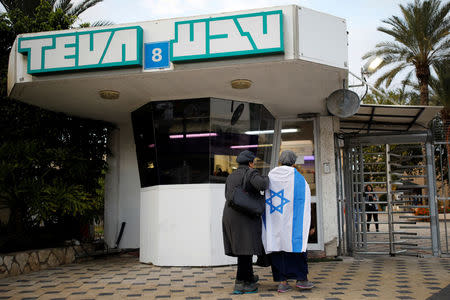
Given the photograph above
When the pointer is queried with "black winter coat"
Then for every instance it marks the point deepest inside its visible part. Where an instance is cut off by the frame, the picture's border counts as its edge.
(242, 233)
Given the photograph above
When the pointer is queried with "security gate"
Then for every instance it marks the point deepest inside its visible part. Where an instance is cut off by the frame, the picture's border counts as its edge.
(399, 215)
(442, 163)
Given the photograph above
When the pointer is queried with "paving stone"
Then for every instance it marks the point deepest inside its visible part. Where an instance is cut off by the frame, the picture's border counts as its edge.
(218, 282)
(105, 294)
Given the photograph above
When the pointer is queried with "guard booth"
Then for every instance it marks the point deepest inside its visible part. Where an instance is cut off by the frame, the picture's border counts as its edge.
(390, 149)
(186, 96)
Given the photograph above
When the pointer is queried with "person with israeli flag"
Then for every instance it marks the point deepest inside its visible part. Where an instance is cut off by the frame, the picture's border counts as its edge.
(286, 223)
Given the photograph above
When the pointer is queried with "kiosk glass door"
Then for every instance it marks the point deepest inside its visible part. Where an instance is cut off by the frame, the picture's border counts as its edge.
(299, 137)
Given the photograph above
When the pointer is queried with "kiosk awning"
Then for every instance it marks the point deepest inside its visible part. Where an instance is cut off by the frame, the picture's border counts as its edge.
(382, 118)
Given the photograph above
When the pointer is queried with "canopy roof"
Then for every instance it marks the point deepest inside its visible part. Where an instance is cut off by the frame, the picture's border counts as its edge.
(383, 118)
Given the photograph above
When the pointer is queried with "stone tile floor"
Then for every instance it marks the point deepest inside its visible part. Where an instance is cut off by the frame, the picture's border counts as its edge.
(126, 278)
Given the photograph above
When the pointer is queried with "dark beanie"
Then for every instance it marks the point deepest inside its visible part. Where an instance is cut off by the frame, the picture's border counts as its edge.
(245, 157)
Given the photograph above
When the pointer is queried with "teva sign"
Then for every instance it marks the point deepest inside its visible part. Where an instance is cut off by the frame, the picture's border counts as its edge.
(94, 49)
(238, 35)
(195, 40)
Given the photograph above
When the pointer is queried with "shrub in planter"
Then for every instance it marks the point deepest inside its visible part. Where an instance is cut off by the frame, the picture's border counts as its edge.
(422, 211)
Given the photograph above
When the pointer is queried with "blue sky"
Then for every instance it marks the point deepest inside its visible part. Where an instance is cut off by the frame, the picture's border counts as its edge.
(363, 16)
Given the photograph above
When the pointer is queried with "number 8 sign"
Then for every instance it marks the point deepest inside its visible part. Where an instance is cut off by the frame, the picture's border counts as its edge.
(156, 55)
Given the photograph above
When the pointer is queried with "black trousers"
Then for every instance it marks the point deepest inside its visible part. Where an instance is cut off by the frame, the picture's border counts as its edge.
(369, 218)
(244, 268)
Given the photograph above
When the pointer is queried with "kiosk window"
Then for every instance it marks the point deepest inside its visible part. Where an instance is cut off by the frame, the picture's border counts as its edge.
(197, 140)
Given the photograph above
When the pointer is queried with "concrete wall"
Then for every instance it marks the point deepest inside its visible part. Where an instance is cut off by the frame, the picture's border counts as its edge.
(122, 195)
(181, 225)
(328, 185)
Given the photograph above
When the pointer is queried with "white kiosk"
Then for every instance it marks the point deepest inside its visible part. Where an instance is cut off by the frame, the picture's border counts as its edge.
(187, 95)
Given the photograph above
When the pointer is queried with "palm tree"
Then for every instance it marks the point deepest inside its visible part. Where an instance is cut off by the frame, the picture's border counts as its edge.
(440, 88)
(421, 39)
(28, 6)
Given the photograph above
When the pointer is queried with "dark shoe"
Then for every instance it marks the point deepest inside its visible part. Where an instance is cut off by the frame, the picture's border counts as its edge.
(245, 288)
(304, 285)
(238, 287)
(254, 280)
(283, 288)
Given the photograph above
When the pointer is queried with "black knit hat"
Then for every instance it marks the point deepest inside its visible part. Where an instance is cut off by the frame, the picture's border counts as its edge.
(245, 157)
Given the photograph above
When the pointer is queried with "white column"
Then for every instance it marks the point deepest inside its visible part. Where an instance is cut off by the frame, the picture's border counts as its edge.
(112, 190)
(122, 190)
(328, 185)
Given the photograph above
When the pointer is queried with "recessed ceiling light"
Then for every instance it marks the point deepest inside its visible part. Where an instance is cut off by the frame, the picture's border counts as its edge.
(109, 94)
(241, 84)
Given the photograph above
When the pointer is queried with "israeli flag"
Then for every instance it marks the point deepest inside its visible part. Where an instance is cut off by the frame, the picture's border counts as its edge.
(287, 217)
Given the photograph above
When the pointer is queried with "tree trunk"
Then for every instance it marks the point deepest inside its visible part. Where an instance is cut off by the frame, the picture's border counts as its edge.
(423, 75)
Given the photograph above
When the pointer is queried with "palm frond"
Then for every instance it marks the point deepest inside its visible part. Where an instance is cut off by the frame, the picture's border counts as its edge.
(64, 5)
(441, 84)
(83, 6)
(389, 75)
(421, 36)
(101, 23)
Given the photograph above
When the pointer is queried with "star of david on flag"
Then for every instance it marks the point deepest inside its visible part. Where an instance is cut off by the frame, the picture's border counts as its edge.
(288, 229)
(279, 207)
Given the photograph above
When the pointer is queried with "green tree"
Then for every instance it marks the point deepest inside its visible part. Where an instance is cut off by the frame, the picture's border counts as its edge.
(421, 39)
(52, 165)
(440, 86)
(28, 7)
(400, 96)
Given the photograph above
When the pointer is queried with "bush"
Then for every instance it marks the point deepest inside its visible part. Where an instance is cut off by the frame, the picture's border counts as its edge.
(422, 211)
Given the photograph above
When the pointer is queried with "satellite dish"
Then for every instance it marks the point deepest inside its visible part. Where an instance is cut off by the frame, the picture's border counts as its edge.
(343, 103)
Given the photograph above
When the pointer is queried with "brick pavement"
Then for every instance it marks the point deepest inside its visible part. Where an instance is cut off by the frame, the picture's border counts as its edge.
(126, 278)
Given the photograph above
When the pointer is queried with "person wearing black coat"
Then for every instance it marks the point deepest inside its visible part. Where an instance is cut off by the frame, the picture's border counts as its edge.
(242, 233)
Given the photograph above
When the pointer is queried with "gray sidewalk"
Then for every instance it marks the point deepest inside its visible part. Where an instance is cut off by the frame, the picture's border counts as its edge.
(126, 278)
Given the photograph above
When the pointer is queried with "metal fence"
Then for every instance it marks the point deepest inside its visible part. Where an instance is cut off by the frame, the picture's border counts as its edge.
(410, 178)
(442, 169)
